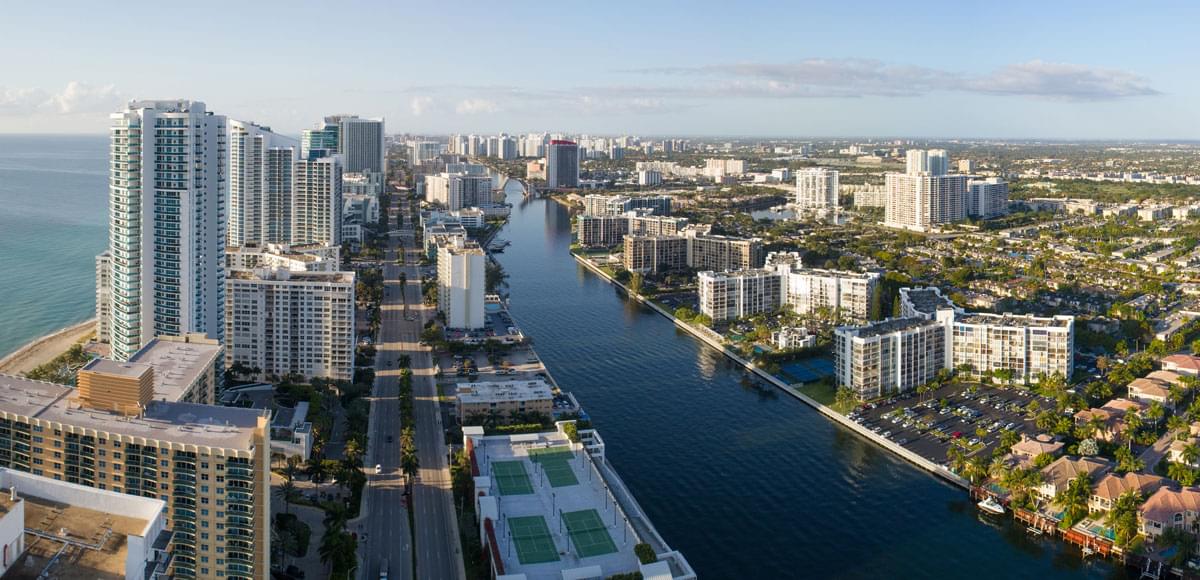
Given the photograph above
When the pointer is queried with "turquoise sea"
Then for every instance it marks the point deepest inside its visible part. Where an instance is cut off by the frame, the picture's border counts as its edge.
(53, 222)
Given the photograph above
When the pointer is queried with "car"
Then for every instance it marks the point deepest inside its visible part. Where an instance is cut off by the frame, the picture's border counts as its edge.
(974, 441)
(378, 469)
(956, 434)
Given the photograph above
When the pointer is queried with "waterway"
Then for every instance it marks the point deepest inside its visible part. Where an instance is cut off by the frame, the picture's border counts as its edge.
(747, 483)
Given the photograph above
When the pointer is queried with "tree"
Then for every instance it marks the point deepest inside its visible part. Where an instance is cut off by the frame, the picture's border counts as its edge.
(1190, 453)
(1074, 498)
(1088, 447)
(635, 283)
(288, 493)
(1155, 412)
(845, 398)
(1126, 461)
(1186, 476)
(1123, 517)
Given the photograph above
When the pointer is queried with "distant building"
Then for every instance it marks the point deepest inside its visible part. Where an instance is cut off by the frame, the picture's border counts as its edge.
(260, 184)
(817, 189)
(721, 253)
(841, 294)
(562, 164)
(966, 166)
(457, 190)
(362, 144)
(987, 198)
(461, 285)
(601, 231)
(920, 202)
(649, 178)
(317, 201)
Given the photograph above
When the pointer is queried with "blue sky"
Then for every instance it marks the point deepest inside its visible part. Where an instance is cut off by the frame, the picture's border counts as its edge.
(922, 69)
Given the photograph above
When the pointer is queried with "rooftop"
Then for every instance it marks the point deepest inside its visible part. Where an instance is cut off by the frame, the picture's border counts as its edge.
(889, 326)
(208, 425)
(1016, 320)
(926, 300)
(177, 364)
(73, 523)
(496, 391)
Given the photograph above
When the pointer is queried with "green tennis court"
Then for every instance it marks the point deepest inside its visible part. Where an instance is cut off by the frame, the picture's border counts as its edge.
(532, 536)
(588, 534)
(556, 462)
(511, 477)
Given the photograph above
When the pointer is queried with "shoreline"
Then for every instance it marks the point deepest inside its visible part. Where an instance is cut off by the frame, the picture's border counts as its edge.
(42, 349)
(929, 466)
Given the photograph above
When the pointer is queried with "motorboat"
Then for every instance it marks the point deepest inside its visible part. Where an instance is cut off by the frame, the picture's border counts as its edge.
(991, 506)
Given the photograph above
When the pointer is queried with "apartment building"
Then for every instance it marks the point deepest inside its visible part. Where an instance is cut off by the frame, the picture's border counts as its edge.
(209, 464)
(317, 201)
(285, 322)
(363, 145)
(817, 189)
(1029, 346)
(168, 214)
(653, 254)
(920, 202)
(104, 297)
(297, 258)
(562, 164)
(601, 230)
(503, 398)
(889, 356)
(732, 295)
(461, 284)
(260, 184)
(721, 253)
(656, 225)
(600, 205)
(456, 190)
(987, 198)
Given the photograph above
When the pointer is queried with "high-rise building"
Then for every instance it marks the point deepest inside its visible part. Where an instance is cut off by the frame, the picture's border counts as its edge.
(649, 178)
(966, 166)
(817, 188)
(461, 285)
(104, 297)
(1027, 346)
(721, 253)
(601, 231)
(562, 164)
(260, 184)
(733, 295)
(323, 141)
(652, 254)
(987, 198)
(317, 201)
(363, 146)
(285, 322)
(922, 201)
(458, 190)
(168, 184)
(422, 151)
(836, 293)
(931, 162)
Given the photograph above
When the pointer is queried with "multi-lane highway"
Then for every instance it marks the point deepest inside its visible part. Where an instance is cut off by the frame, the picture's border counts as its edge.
(438, 553)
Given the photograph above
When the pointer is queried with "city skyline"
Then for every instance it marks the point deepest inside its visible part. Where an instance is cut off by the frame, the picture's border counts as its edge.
(1065, 71)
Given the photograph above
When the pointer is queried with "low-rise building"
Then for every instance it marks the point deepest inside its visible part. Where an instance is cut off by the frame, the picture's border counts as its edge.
(503, 400)
(789, 338)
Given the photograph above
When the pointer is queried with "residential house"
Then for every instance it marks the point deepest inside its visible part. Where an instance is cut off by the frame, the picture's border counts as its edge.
(1183, 364)
(1027, 450)
(1112, 486)
(1169, 508)
(1058, 475)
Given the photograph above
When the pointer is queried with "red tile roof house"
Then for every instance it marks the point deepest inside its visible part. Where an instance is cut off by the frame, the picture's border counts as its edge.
(1026, 450)
(1112, 486)
(1169, 508)
(1183, 364)
(1059, 474)
(1112, 414)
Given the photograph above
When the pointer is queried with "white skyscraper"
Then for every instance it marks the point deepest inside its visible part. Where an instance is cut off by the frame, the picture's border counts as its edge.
(987, 198)
(362, 144)
(461, 284)
(924, 196)
(317, 201)
(260, 184)
(167, 220)
(817, 188)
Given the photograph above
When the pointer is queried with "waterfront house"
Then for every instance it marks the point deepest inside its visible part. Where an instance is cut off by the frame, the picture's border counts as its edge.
(1025, 451)
(1058, 475)
(1169, 508)
(1112, 486)
(1183, 364)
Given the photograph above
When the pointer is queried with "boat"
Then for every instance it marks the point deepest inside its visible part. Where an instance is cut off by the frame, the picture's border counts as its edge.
(991, 506)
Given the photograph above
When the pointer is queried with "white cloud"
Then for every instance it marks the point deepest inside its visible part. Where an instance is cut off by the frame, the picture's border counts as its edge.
(476, 106)
(420, 104)
(848, 77)
(80, 97)
(20, 101)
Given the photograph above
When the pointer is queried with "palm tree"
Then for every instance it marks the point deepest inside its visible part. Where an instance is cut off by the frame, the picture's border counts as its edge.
(354, 453)
(288, 493)
(1190, 453)
(1155, 412)
(1123, 517)
(336, 515)
(1074, 498)
(317, 471)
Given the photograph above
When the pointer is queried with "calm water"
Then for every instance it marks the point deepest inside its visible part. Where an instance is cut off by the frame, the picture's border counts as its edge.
(747, 485)
(53, 222)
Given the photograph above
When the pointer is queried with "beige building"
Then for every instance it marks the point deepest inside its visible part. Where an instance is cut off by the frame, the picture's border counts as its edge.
(601, 230)
(653, 254)
(732, 295)
(502, 398)
(209, 464)
(721, 253)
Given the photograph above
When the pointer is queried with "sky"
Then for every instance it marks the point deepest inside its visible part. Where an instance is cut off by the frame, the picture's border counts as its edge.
(1046, 70)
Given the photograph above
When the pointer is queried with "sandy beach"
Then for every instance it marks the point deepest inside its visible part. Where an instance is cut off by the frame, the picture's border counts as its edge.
(45, 348)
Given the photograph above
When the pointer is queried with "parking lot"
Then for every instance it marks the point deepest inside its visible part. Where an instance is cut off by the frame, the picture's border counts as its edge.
(952, 412)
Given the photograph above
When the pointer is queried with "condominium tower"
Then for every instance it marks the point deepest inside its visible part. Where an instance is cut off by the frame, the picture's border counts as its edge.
(817, 189)
(317, 201)
(362, 143)
(461, 284)
(260, 184)
(167, 208)
(562, 164)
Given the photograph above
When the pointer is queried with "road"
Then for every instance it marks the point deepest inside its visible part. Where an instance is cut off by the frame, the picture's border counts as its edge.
(439, 555)
(388, 538)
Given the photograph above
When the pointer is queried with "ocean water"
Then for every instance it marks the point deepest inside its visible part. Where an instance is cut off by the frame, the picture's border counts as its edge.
(53, 222)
